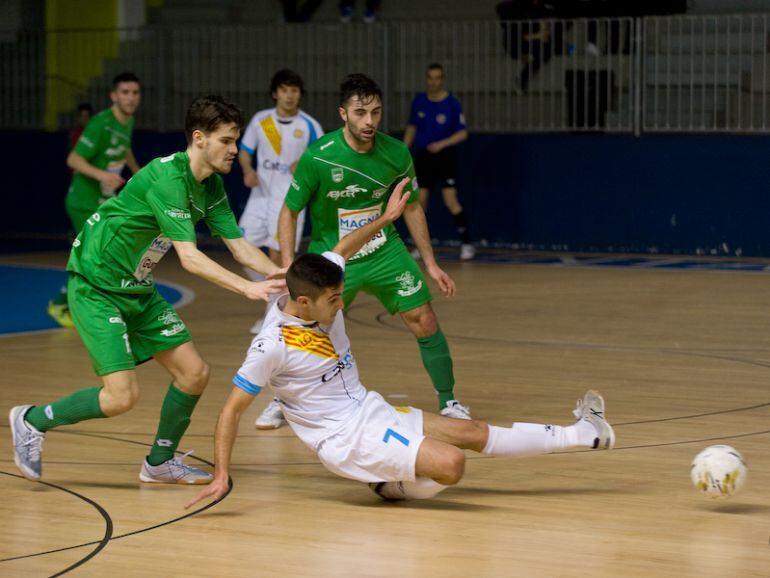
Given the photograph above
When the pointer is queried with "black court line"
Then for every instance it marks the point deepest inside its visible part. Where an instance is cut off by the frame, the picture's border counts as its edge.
(100, 544)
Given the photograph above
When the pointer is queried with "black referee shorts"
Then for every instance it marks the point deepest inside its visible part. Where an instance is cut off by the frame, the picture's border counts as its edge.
(436, 169)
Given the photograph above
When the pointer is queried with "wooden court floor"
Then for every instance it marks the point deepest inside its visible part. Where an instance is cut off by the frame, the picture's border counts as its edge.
(682, 358)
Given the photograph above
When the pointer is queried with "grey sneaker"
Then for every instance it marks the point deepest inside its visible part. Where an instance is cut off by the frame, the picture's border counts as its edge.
(456, 410)
(591, 409)
(174, 471)
(388, 490)
(271, 417)
(27, 444)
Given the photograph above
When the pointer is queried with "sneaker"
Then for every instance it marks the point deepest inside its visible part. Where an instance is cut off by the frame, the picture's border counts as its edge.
(257, 327)
(174, 471)
(467, 252)
(271, 417)
(388, 490)
(27, 444)
(60, 312)
(415, 253)
(456, 410)
(591, 409)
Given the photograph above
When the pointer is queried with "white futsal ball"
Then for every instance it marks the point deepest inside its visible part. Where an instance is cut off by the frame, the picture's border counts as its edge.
(719, 471)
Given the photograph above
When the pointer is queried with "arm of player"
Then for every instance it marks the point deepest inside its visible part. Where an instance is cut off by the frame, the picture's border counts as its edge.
(287, 233)
(409, 135)
(253, 258)
(195, 262)
(81, 165)
(351, 243)
(131, 162)
(452, 140)
(418, 229)
(224, 440)
(250, 178)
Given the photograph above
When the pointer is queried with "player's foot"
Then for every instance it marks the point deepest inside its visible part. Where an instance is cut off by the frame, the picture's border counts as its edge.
(415, 253)
(389, 490)
(27, 444)
(456, 410)
(174, 471)
(591, 409)
(271, 417)
(467, 252)
(257, 327)
(60, 312)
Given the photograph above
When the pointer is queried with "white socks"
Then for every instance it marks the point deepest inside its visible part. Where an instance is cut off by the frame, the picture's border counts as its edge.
(528, 439)
(419, 489)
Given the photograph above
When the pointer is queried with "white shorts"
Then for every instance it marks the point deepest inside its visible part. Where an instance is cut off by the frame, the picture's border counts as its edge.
(259, 221)
(379, 445)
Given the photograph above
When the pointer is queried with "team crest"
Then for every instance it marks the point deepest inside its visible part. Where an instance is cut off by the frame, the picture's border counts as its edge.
(298, 133)
(378, 193)
(408, 285)
(337, 175)
(441, 118)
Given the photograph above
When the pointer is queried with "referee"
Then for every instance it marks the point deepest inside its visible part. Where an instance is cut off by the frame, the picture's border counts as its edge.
(436, 126)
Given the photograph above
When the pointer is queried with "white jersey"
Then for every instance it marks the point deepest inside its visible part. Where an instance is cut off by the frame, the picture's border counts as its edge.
(309, 368)
(278, 143)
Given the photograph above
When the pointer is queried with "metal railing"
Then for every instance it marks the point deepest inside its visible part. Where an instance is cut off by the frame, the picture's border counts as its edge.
(676, 74)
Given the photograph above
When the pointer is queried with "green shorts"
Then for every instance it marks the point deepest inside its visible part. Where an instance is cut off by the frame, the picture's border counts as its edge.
(120, 331)
(391, 275)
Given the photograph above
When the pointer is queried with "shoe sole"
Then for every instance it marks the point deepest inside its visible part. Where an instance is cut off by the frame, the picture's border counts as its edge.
(32, 476)
(149, 480)
(610, 444)
(267, 427)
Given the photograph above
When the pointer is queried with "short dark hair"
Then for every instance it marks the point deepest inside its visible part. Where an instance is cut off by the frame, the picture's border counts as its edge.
(124, 77)
(359, 85)
(435, 66)
(86, 106)
(310, 274)
(286, 77)
(207, 113)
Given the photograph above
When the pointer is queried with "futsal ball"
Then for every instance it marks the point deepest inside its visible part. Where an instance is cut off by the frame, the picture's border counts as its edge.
(719, 471)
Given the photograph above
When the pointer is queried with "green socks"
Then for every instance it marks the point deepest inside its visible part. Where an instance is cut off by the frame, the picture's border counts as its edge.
(79, 406)
(437, 360)
(174, 419)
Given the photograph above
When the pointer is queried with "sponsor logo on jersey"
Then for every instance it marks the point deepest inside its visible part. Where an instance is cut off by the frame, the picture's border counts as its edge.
(309, 340)
(294, 185)
(269, 165)
(117, 320)
(168, 317)
(128, 283)
(441, 118)
(298, 133)
(337, 175)
(118, 151)
(378, 193)
(348, 192)
(408, 285)
(178, 214)
(176, 328)
(86, 141)
(345, 363)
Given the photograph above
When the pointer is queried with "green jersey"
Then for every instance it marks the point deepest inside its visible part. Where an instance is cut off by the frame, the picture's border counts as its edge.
(105, 144)
(347, 189)
(122, 242)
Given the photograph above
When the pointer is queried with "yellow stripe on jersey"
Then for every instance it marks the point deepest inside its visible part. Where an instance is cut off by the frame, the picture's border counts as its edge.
(272, 134)
(309, 340)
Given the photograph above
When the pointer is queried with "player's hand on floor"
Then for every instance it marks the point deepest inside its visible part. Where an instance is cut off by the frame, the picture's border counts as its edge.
(217, 489)
(444, 281)
(397, 201)
(263, 289)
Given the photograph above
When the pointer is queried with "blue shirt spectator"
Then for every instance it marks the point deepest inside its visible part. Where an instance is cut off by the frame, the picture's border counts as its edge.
(435, 120)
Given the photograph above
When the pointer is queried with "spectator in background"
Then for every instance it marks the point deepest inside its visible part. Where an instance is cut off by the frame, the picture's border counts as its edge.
(348, 10)
(436, 126)
(82, 116)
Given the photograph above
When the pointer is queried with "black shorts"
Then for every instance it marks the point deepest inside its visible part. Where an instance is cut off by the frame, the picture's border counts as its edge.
(436, 169)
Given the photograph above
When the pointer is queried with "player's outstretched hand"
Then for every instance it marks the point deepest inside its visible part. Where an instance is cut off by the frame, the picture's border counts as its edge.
(444, 281)
(111, 180)
(217, 489)
(397, 201)
(263, 289)
(278, 273)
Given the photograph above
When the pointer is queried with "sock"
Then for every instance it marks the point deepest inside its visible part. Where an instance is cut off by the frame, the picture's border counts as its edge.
(419, 489)
(174, 419)
(61, 296)
(437, 360)
(79, 406)
(529, 439)
(461, 223)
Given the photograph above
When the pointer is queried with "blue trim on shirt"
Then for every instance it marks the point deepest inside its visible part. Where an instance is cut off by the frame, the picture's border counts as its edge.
(311, 128)
(244, 384)
(245, 148)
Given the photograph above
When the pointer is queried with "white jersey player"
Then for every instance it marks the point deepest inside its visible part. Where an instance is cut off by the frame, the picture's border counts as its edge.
(277, 137)
(303, 354)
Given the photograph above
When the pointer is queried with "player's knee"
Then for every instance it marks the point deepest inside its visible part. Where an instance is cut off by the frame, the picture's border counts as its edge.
(196, 378)
(453, 467)
(422, 321)
(122, 401)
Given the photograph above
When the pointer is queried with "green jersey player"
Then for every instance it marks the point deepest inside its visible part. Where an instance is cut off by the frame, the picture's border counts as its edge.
(98, 159)
(117, 310)
(346, 178)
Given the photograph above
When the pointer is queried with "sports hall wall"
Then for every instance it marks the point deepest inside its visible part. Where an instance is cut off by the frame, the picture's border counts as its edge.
(605, 193)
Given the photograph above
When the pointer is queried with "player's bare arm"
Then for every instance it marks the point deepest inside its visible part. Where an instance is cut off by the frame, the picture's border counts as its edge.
(224, 440)
(287, 231)
(418, 228)
(409, 134)
(250, 178)
(452, 140)
(350, 244)
(81, 165)
(131, 162)
(195, 262)
(252, 257)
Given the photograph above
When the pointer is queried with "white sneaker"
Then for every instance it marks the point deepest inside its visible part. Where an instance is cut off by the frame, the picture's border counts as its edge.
(271, 417)
(591, 409)
(389, 490)
(27, 444)
(415, 253)
(467, 252)
(257, 327)
(456, 410)
(174, 471)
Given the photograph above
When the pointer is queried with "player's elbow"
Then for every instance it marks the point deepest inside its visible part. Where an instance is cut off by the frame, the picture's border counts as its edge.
(72, 160)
